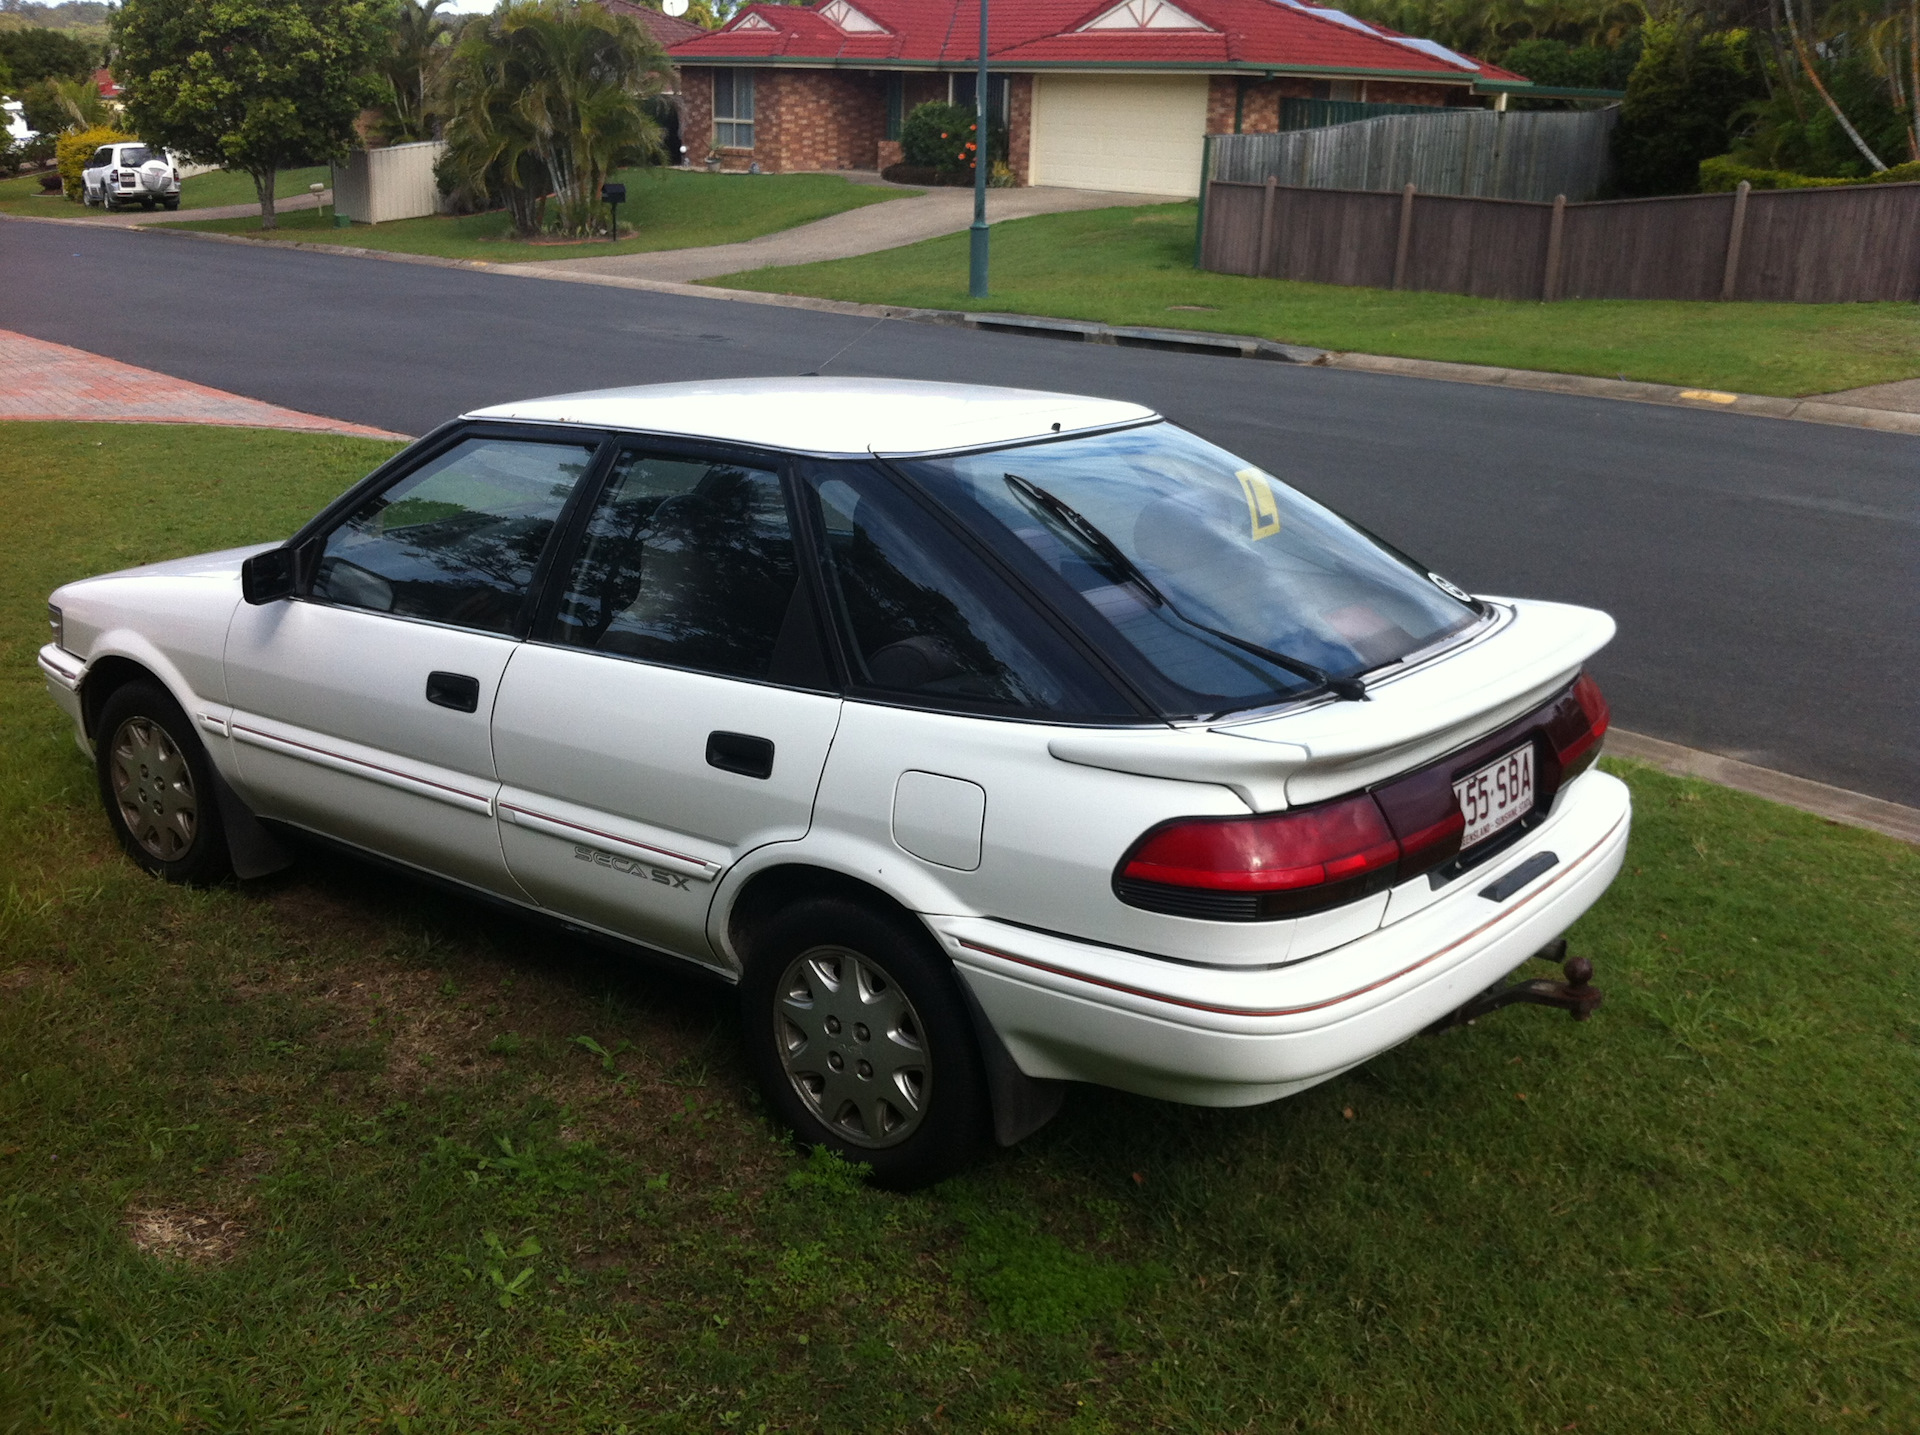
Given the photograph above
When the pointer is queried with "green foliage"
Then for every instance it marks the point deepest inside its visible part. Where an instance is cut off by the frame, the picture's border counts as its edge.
(33, 55)
(1794, 130)
(1491, 29)
(938, 135)
(1584, 67)
(53, 106)
(255, 85)
(1723, 173)
(74, 150)
(547, 95)
(418, 43)
(1682, 102)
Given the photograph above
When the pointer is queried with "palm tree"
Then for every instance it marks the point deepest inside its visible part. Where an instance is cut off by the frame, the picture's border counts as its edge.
(550, 94)
(418, 44)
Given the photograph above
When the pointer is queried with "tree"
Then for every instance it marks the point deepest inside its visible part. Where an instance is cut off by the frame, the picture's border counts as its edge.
(549, 93)
(34, 55)
(417, 46)
(1681, 107)
(253, 85)
(55, 105)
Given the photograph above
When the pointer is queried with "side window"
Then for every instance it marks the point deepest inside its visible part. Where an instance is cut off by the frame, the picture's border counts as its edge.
(101, 158)
(922, 618)
(457, 540)
(684, 562)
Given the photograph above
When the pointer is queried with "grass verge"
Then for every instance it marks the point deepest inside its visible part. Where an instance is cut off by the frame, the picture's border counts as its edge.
(668, 209)
(21, 195)
(1135, 266)
(331, 1151)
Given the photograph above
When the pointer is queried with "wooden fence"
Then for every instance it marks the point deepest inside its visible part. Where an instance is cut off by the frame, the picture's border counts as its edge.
(1818, 246)
(1489, 153)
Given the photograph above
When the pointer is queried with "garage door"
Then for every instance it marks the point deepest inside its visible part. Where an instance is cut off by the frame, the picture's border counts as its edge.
(1141, 133)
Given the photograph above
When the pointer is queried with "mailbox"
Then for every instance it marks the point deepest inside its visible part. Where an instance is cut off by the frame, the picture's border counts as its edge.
(613, 193)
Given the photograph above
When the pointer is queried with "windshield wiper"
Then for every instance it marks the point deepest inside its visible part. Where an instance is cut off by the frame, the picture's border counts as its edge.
(1036, 497)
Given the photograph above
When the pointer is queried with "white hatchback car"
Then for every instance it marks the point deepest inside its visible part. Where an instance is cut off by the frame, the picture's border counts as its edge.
(987, 739)
(118, 175)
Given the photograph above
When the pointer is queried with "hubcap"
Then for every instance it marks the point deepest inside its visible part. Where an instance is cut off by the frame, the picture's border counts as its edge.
(153, 788)
(852, 1047)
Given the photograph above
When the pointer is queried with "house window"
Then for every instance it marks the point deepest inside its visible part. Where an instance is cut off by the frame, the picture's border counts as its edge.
(962, 87)
(733, 109)
(896, 104)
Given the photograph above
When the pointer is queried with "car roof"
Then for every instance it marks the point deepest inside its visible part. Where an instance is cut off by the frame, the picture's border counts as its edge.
(832, 416)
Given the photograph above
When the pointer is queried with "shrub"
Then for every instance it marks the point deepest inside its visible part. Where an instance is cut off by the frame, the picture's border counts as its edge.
(1723, 173)
(73, 151)
(938, 135)
(1681, 101)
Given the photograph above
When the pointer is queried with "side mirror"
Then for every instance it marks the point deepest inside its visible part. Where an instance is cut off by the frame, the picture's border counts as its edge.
(268, 577)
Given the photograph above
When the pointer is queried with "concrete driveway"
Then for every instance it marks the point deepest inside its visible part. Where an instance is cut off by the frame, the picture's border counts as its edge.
(857, 231)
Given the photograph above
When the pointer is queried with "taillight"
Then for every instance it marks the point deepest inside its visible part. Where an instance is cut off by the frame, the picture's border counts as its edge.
(1246, 868)
(1577, 727)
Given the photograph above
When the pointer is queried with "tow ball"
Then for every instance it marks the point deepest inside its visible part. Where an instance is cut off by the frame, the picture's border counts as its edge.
(1577, 996)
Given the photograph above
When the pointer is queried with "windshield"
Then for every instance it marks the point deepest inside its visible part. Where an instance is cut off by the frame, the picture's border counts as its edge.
(1206, 578)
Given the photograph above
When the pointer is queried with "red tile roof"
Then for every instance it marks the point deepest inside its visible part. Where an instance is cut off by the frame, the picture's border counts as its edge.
(666, 29)
(1285, 35)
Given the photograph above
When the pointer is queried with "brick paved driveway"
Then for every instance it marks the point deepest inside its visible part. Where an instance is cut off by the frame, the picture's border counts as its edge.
(39, 380)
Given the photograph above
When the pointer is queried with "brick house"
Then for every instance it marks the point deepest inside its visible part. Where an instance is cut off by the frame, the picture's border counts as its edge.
(667, 31)
(1094, 94)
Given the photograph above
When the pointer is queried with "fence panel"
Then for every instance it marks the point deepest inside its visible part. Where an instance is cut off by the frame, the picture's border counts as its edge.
(1672, 248)
(1846, 245)
(1838, 245)
(1488, 153)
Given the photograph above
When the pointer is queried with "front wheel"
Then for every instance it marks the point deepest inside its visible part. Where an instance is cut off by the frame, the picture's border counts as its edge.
(157, 785)
(857, 1032)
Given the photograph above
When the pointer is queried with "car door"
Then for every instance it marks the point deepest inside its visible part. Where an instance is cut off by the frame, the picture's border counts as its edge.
(674, 710)
(360, 710)
(92, 177)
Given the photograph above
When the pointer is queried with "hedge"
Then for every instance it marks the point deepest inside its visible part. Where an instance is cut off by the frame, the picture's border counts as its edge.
(1723, 173)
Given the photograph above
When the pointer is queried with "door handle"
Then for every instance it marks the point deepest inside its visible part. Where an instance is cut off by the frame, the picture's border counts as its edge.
(740, 752)
(454, 690)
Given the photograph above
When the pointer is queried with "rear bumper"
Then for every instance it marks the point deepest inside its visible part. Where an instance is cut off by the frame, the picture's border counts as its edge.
(1215, 1036)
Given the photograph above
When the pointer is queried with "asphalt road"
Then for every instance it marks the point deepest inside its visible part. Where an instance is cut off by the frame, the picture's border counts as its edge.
(1765, 574)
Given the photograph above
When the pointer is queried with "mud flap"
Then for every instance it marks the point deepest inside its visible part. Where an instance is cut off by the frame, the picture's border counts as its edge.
(254, 851)
(1022, 1104)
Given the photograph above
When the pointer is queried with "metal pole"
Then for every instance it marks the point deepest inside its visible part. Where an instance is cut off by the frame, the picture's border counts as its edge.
(977, 234)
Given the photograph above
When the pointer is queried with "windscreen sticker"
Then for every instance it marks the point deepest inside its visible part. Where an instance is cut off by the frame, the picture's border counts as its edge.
(1262, 510)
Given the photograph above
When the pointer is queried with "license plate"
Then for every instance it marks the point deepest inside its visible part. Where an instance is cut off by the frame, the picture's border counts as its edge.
(1498, 795)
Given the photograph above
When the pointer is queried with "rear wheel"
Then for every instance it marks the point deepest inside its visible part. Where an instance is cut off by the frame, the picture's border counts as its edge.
(856, 1030)
(157, 785)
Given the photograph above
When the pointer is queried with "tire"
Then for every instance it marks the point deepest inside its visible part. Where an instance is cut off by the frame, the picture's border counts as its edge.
(170, 205)
(157, 785)
(815, 971)
(106, 202)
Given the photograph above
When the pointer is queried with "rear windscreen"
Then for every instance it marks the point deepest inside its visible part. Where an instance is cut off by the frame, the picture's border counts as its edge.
(1177, 559)
(135, 155)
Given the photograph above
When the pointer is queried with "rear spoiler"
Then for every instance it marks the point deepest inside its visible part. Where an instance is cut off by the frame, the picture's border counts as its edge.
(1411, 718)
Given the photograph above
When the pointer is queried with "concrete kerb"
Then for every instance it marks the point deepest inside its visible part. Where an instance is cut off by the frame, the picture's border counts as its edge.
(1809, 410)
(1836, 804)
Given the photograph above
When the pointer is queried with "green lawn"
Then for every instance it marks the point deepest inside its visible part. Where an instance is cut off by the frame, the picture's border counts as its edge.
(669, 209)
(1135, 266)
(21, 195)
(1697, 1212)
